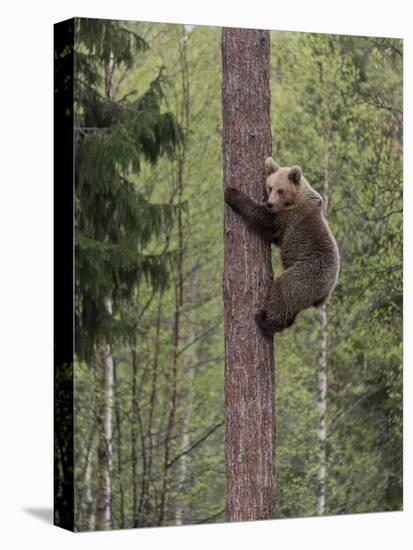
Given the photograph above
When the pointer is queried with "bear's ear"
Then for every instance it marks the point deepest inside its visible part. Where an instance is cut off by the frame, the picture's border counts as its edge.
(295, 174)
(270, 166)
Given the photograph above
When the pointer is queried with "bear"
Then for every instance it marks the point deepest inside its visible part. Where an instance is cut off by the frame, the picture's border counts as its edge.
(293, 219)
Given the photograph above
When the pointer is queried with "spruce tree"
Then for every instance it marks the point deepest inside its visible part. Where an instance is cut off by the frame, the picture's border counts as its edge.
(114, 222)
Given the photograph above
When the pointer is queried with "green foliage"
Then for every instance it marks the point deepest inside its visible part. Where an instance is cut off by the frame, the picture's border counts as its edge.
(115, 222)
(342, 95)
(145, 146)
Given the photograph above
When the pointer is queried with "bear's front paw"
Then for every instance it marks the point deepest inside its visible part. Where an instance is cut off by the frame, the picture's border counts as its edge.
(231, 194)
(261, 315)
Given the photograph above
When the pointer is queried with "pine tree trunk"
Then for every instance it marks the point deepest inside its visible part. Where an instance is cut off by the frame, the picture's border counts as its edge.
(104, 492)
(249, 356)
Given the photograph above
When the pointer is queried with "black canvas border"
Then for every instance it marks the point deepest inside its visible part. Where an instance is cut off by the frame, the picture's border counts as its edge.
(63, 248)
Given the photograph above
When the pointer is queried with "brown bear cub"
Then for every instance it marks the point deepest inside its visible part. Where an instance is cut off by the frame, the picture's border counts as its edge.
(293, 219)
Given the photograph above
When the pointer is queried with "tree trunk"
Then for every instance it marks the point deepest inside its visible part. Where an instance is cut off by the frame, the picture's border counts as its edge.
(134, 442)
(322, 360)
(176, 338)
(179, 283)
(89, 511)
(187, 398)
(183, 463)
(321, 424)
(118, 401)
(249, 356)
(147, 503)
(104, 492)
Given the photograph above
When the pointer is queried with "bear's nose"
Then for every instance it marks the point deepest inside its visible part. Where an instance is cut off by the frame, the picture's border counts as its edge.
(269, 204)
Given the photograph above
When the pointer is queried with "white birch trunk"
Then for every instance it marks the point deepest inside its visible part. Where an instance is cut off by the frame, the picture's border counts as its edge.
(89, 504)
(323, 349)
(322, 407)
(104, 498)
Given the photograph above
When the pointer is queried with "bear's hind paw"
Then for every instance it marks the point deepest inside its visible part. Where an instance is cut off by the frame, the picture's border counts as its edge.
(268, 326)
(262, 321)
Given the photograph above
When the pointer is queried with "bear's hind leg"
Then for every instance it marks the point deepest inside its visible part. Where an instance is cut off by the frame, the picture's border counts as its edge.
(269, 326)
(262, 321)
(277, 314)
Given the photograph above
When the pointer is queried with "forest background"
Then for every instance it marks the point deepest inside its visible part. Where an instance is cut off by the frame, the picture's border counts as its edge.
(149, 139)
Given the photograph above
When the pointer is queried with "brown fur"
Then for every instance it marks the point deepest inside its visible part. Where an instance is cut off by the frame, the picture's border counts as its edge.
(293, 219)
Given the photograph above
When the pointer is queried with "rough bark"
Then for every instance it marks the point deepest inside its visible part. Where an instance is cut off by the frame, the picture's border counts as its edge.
(249, 355)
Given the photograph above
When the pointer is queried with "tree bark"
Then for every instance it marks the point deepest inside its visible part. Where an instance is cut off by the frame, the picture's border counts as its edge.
(134, 442)
(147, 503)
(322, 406)
(89, 511)
(249, 355)
(104, 492)
(103, 516)
(117, 403)
(323, 343)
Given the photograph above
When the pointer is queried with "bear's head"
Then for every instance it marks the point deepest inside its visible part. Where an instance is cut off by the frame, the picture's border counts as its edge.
(284, 186)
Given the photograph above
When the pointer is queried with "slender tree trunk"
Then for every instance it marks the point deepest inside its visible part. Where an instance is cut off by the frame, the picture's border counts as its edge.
(134, 442)
(189, 371)
(323, 348)
(249, 356)
(103, 516)
(147, 504)
(89, 512)
(86, 502)
(174, 381)
(104, 493)
(119, 448)
(179, 285)
(321, 424)
(183, 462)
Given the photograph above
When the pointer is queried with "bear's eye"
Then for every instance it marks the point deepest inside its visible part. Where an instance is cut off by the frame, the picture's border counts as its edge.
(280, 191)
